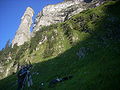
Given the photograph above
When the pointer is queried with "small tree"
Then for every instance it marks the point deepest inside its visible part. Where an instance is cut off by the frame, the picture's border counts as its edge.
(7, 44)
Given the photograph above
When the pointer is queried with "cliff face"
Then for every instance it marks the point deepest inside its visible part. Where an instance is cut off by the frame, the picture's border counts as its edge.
(85, 46)
(79, 0)
(52, 14)
(23, 32)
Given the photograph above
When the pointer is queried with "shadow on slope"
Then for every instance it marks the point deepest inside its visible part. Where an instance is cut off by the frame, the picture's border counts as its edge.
(99, 69)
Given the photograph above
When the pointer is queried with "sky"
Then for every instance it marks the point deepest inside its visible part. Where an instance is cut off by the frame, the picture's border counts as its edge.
(11, 12)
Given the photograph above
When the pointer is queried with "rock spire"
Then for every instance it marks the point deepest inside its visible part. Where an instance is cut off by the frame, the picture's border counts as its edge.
(23, 32)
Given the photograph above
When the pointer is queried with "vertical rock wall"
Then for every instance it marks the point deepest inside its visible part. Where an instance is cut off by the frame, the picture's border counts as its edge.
(23, 32)
(52, 14)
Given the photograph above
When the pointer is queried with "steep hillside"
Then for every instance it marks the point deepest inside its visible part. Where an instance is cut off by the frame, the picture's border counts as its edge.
(87, 47)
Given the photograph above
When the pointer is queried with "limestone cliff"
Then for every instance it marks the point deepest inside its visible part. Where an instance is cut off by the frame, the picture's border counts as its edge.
(85, 46)
(23, 32)
(60, 12)
(52, 14)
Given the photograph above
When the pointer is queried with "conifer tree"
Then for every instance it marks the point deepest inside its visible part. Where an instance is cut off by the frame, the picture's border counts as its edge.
(7, 44)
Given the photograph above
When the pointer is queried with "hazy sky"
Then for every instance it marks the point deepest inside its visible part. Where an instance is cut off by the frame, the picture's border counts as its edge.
(10, 13)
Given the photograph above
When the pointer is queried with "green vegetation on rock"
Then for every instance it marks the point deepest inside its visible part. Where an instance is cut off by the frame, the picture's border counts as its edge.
(86, 46)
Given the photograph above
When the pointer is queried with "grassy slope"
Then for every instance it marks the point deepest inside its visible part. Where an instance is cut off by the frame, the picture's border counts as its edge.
(98, 70)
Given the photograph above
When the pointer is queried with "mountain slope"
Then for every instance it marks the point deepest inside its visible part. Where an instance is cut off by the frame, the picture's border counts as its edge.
(86, 46)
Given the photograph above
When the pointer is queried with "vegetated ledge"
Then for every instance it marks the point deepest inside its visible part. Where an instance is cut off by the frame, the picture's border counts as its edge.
(98, 68)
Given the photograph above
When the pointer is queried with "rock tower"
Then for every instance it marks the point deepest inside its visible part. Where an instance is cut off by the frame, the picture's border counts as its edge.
(23, 33)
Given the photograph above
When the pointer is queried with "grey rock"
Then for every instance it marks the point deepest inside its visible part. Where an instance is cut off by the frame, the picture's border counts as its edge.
(60, 12)
(23, 32)
(82, 52)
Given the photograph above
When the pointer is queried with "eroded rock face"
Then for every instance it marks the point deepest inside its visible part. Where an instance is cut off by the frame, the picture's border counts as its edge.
(79, 0)
(52, 14)
(87, 1)
(8, 69)
(60, 12)
(23, 32)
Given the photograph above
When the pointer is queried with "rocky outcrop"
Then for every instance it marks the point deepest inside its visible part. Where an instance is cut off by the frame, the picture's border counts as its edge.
(60, 12)
(82, 52)
(23, 32)
(80, 0)
(52, 14)
(87, 1)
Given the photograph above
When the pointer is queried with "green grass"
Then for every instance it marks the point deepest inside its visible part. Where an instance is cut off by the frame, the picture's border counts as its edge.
(98, 70)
